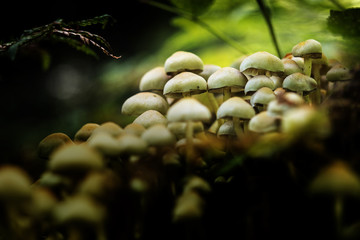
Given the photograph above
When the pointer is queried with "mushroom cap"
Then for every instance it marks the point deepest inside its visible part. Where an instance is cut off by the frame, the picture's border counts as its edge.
(258, 82)
(105, 143)
(143, 101)
(134, 128)
(153, 80)
(179, 128)
(51, 142)
(78, 210)
(338, 73)
(188, 109)
(182, 61)
(299, 82)
(336, 179)
(185, 82)
(235, 107)
(85, 131)
(14, 184)
(158, 135)
(307, 49)
(261, 62)
(227, 129)
(226, 77)
(110, 128)
(262, 96)
(290, 66)
(132, 144)
(74, 158)
(208, 70)
(263, 122)
(283, 103)
(150, 117)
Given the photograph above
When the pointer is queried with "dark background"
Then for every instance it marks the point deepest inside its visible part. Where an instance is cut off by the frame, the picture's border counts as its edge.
(28, 111)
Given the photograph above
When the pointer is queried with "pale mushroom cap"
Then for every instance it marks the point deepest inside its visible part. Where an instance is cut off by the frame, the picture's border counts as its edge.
(258, 82)
(134, 128)
(307, 49)
(185, 82)
(262, 96)
(235, 107)
(263, 122)
(299, 82)
(78, 209)
(208, 70)
(338, 73)
(150, 117)
(14, 184)
(188, 206)
(131, 144)
(154, 80)
(262, 61)
(227, 129)
(111, 128)
(179, 128)
(336, 179)
(143, 101)
(226, 77)
(188, 109)
(104, 143)
(74, 158)
(85, 131)
(285, 102)
(158, 135)
(290, 66)
(182, 61)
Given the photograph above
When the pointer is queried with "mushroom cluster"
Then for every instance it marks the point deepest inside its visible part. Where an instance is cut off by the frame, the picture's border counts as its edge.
(201, 135)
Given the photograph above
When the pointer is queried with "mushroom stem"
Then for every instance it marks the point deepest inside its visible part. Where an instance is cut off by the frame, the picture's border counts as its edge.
(215, 106)
(307, 66)
(317, 77)
(189, 141)
(338, 211)
(226, 93)
(237, 127)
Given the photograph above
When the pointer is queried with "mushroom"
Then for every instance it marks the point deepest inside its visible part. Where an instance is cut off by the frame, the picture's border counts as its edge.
(154, 80)
(339, 181)
(188, 110)
(262, 63)
(104, 143)
(261, 98)
(184, 85)
(134, 128)
(258, 82)
(51, 142)
(338, 73)
(299, 83)
(237, 109)
(208, 70)
(179, 128)
(84, 132)
(263, 123)
(309, 49)
(226, 80)
(283, 103)
(290, 66)
(143, 101)
(182, 61)
(110, 128)
(149, 118)
(158, 135)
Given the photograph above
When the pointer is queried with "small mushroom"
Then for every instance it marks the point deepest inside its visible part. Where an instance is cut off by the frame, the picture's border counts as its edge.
(84, 132)
(263, 123)
(154, 80)
(185, 84)
(261, 98)
(51, 142)
(309, 49)
(149, 118)
(258, 82)
(182, 61)
(262, 63)
(299, 83)
(143, 101)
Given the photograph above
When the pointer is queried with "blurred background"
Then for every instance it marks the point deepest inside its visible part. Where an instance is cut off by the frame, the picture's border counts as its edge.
(49, 86)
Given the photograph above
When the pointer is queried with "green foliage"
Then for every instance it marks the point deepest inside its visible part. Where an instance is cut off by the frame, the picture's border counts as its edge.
(345, 23)
(195, 7)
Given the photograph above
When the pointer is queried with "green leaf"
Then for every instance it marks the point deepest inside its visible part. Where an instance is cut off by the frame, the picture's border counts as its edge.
(345, 23)
(195, 7)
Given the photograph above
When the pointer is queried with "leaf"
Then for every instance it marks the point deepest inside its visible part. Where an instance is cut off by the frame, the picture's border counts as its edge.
(195, 7)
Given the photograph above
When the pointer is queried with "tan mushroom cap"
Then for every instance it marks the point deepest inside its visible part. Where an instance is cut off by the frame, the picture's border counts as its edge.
(299, 82)
(258, 82)
(75, 158)
(307, 49)
(143, 101)
(85, 131)
(261, 62)
(158, 135)
(188, 109)
(185, 83)
(290, 66)
(263, 122)
(154, 80)
(132, 144)
(51, 142)
(182, 61)
(208, 70)
(336, 179)
(14, 184)
(150, 117)
(134, 128)
(105, 143)
(235, 107)
(226, 77)
(338, 73)
(262, 96)
(110, 127)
